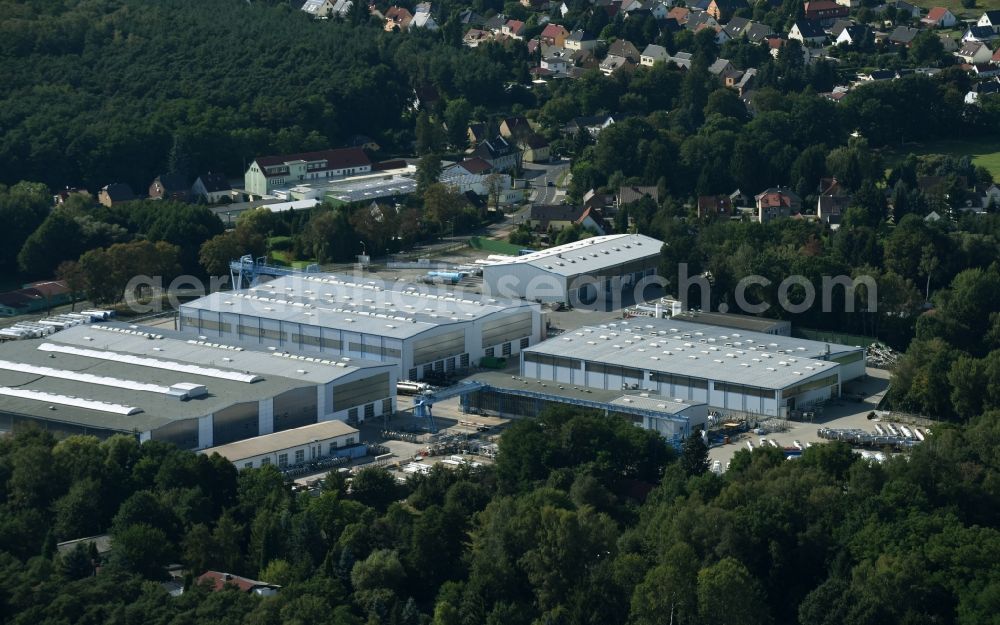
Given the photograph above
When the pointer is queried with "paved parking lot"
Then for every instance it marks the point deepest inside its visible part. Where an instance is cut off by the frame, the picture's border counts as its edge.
(838, 414)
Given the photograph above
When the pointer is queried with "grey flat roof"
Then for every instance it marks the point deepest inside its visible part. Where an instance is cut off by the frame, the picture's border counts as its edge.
(697, 350)
(286, 439)
(392, 309)
(587, 255)
(730, 320)
(69, 353)
(212, 352)
(652, 402)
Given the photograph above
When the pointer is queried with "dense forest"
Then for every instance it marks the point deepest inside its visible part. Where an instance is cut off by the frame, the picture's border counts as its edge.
(583, 519)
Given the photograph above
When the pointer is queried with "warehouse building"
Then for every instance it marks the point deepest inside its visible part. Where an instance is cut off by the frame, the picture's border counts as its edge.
(422, 330)
(113, 378)
(580, 273)
(505, 395)
(309, 443)
(740, 372)
(763, 325)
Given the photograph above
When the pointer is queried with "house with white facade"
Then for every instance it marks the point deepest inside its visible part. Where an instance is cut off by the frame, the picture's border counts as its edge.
(267, 173)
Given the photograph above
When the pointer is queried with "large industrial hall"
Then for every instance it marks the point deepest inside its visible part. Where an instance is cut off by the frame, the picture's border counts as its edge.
(579, 273)
(421, 330)
(114, 378)
(736, 371)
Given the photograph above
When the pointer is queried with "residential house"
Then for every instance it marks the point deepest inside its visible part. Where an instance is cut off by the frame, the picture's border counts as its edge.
(904, 8)
(397, 19)
(698, 21)
(710, 206)
(534, 149)
(217, 581)
(170, 187)
(722, 10)
(65, 194)
(948, 43)
(745, 82)
(837, 26)
(990, 19)
(736, 27)
(613, 64)
(595, 200)
(629, 194)
(474, 36)
(554, 35)
(477, 133)
(556, 217)
(807, 32)
(592, 124)
(342, 7)
(502, 155)
(903, 36)
(495, 24)
(877, 75)
(720, 67)
(984, 34)
(654, 54)
(624, 49)
(680, 15)
(514, 29)
(468, 17)
(555, 64)
(830, 209)
(825, 11)
(777, 202)
(35, 297)
(755, 32)
(660, 10)
(267, 173)
(991, 88)
(514, 127)
(857, 35)
(939, 17)
(212, 188)
(115, 193)
(424, 19)
(476, 166)
(991, 195)
(580, 40)
(318, 8)
(974, 52)
(681, 59)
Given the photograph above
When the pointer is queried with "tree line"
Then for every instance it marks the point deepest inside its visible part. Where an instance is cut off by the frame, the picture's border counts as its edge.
(583, 519)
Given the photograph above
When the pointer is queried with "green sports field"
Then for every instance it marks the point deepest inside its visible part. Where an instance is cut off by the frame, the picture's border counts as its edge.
(984, 152)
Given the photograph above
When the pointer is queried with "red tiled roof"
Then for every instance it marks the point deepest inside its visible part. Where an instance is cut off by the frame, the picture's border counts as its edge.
(936, 13)
(515, 26)
(335, 159)
(475, 165)
(553, 31)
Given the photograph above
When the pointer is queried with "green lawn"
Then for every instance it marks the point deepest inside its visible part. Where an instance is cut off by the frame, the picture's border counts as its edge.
(285, 258)
(984, 152)
(955, 6)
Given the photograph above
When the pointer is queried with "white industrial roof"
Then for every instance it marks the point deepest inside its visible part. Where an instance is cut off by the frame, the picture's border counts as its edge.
(270, 443)
(201, 357)
(391, 309)
(588, 255)
(69, 400)
(706, 352)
